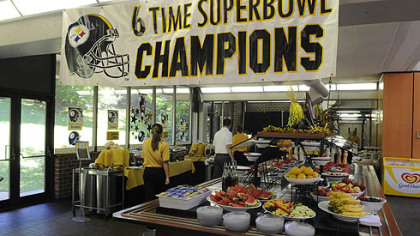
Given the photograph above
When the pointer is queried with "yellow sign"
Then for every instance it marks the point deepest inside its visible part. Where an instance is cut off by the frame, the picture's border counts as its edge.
(165, 132)
(401, 177)
(112, 135)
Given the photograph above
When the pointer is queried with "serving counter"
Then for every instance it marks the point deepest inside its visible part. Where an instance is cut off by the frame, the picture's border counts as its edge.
(170, 224)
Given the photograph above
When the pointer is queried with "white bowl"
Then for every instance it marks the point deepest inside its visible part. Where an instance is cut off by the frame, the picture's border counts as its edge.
(209, 215)
(320, 160)
(295, 228)
(237, 221)
(270, 224)
(252, 156)
(373, 206)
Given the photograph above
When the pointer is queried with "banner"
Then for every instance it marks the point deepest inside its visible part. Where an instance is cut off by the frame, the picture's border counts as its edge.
(144, 43)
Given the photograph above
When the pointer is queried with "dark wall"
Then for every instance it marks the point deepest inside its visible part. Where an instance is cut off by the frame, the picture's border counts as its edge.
(256, 121)
(34, 74)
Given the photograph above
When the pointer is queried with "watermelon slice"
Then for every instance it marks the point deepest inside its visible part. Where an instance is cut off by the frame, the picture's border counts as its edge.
(242, 196)
(251, 202)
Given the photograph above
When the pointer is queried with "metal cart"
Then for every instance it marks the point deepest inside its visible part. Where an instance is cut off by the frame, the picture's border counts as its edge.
(97, 189)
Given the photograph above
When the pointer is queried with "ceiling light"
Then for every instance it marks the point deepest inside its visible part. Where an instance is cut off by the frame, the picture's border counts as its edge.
(348, 111)
(246, 89)
(28, 7)
(216, 90)
(349, 118)
(304, 88)
(333, 87)
(350, 115)
(357, 86)
(7, 10)
(279, 88)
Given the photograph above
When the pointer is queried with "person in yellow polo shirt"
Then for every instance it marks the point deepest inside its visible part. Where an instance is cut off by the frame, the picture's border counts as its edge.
(155, 153)
(238, 153)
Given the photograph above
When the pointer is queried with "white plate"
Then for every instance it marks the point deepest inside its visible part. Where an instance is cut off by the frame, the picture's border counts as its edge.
(292, 218)
(302, 181)
(324, 206)
(231, 208)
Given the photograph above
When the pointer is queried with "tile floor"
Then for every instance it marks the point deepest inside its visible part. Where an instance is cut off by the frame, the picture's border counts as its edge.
(55, 218)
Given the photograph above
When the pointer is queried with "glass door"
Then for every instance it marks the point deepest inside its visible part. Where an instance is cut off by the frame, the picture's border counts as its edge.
(32, 146)
(26, 168)
(5, 124)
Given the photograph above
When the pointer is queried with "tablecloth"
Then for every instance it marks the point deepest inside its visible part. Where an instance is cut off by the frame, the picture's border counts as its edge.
(135, 176)
(109, 157)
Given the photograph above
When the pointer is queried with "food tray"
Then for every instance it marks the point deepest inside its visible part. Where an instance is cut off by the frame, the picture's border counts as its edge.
(183, 204)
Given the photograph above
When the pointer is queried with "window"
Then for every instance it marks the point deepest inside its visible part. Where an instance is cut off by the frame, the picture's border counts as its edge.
(111, 101)
(182, 123)
(164, 111)
(72, 97)
(141, 118)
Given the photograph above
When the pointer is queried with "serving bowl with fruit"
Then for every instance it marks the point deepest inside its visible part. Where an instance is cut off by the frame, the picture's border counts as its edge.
(288, 209)
(240, 198)
(348, 186)
(302, 175)
(373, 204)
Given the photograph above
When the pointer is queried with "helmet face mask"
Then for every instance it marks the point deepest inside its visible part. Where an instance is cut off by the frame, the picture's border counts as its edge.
(89, 48)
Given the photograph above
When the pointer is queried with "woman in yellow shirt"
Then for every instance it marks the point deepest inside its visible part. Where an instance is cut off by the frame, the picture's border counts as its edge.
(155, 153)
(238, 153)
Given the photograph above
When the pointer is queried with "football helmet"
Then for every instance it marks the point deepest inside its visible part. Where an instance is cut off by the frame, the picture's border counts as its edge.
(89, 48)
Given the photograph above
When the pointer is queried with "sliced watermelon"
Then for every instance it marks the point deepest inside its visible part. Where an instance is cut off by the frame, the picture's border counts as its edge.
(242, 196)
(213, 198)
(235, 205)
(251, 202)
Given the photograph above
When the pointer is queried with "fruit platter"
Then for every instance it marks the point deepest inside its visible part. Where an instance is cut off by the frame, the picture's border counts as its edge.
(344, 207)
(288, 209)
(334, 176)
(334, 167)
(240, 198)
(302, 175)
(347, 186)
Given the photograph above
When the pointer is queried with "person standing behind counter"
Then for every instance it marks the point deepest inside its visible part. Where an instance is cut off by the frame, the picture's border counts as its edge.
(156, 162)
(222, 142)
(238, 153)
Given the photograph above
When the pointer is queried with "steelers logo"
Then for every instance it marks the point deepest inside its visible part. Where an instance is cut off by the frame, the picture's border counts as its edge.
(78, 35)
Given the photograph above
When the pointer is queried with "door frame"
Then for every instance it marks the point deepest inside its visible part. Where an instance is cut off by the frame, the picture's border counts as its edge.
(15, 200)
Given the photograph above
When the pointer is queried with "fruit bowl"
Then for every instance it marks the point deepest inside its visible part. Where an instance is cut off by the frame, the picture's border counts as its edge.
(318, 161)
(232, 208)
(373, 206)
(324, 206)
(252, 156)
(302, 181)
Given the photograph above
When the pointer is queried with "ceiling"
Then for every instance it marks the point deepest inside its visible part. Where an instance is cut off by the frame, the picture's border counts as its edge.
(375, 36)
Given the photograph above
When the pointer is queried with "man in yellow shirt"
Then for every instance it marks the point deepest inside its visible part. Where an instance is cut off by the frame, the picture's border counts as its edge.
(238, 153)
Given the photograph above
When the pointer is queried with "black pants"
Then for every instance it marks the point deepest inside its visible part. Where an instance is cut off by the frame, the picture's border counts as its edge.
(241, 159)
(219, 162)
(154, 182)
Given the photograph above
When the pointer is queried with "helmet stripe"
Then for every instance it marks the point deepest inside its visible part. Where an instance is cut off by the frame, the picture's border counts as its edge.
(104, 19)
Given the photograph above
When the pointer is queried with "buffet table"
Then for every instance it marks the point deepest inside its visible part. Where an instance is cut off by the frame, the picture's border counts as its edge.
(149, 214)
